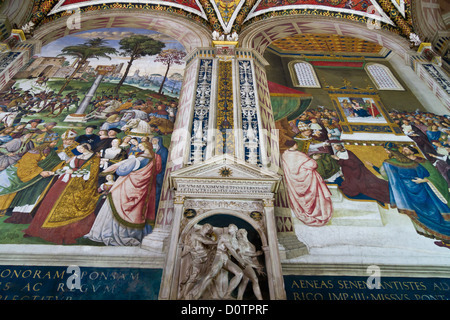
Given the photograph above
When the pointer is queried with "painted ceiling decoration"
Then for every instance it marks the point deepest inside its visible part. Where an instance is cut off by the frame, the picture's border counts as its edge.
(227, 16)
(227, 12)
(401, 6)
(326, 43)
(192, 6)
(366, 8)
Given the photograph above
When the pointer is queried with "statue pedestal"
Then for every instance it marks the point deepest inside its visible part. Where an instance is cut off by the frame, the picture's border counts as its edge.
(157, 241)
(74, 117)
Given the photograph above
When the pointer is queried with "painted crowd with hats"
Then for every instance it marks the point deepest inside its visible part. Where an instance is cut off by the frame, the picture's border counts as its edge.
(412, 177)
(94, 183)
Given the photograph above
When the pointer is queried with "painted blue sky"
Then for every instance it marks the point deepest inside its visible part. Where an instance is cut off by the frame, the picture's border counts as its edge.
(145, 65)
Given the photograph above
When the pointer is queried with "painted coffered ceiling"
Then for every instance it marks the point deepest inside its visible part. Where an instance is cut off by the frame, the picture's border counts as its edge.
(326, 43)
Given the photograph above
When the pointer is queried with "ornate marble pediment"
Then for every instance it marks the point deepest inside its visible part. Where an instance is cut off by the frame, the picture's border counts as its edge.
(225, 176)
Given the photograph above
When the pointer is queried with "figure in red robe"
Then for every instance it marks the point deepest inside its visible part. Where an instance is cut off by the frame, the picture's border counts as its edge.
(358, 179)
(309, 196)
(128, 214)
(373, 111)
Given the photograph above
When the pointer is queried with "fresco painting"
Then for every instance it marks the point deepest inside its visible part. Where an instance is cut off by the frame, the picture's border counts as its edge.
(87, 123)
(324, 161)
(85, 132)
(358, 109)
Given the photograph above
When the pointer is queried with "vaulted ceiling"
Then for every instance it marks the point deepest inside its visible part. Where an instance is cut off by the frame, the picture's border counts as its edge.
(235, 15)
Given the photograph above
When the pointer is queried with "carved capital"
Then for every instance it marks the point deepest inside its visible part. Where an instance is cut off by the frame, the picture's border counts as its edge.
(179, 199)
(268, 202)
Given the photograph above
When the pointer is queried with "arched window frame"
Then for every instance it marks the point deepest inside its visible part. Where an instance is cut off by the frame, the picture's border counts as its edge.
(380, 83)
(313, 80)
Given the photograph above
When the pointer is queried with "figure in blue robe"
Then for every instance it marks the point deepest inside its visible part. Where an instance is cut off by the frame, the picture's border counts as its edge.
(414, 195)
(433, 135)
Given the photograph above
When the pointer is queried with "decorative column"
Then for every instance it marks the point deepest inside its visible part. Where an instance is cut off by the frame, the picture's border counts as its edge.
(429, 66)
(257, 111)
(201, 112)
(249, 113)
(220, 162)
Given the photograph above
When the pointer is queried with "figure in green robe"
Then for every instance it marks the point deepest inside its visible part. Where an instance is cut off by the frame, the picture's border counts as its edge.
(320, 150)
(24, 183)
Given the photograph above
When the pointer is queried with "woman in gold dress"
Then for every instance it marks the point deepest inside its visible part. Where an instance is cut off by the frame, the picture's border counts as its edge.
(67, 212)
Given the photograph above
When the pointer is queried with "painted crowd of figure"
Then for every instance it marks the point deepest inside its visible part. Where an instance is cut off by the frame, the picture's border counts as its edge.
(414, 180)
(77, 184)
(100, 182)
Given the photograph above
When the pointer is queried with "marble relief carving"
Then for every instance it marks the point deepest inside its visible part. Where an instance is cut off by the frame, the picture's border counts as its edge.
(216, 261)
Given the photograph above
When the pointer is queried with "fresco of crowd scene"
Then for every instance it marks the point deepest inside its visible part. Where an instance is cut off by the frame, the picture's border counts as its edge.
(50, 169)
(412, 178)
(429, 131)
